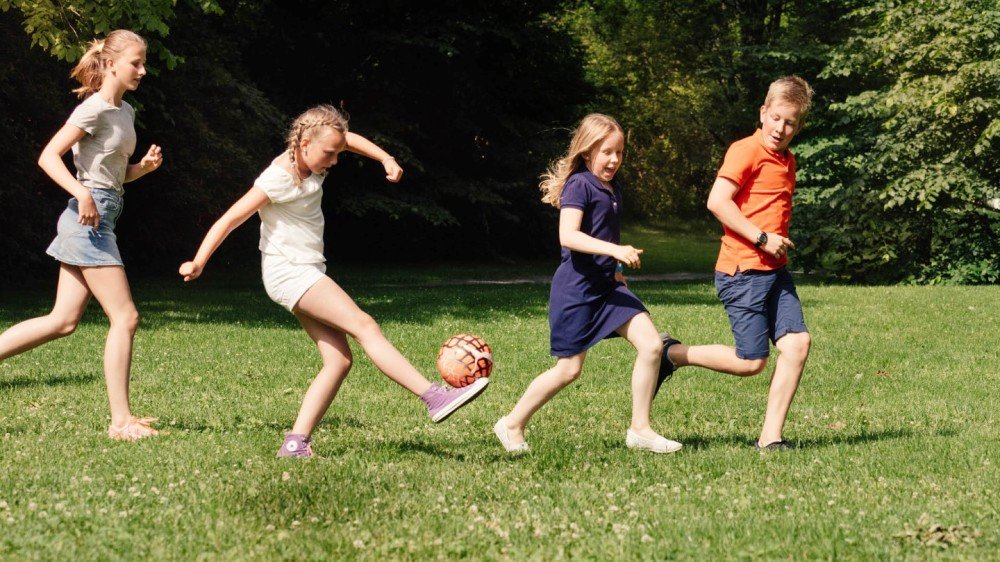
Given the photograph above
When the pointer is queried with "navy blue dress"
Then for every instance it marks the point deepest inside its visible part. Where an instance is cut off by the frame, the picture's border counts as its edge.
(586, 304)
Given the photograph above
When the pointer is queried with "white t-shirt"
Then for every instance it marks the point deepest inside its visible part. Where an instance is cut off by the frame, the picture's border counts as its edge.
(101, 157)
(292, 225)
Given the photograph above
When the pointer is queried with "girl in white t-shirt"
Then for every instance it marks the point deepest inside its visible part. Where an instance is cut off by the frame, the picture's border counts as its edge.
(287, 196)
(101, 134)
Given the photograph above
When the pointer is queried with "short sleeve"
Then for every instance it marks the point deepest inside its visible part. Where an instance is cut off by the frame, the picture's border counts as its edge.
(738, 164)
(575, 194)
(277, 184)
(85, 116)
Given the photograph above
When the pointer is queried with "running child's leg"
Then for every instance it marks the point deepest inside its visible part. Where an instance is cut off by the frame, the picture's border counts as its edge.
(540, 391)
(72, 296)
(717, 357)
(110, 287)
(327, 303)
(642, 334)
(337, 359)
(794, 350)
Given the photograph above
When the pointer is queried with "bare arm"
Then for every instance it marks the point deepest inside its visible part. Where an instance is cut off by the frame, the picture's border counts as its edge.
(721, 204)
(247, 205)
(360, 145)
(50, 161)
(150, 162)
(570, 236)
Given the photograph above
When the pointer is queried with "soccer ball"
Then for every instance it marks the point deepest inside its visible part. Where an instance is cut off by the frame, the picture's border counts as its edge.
(463, 359)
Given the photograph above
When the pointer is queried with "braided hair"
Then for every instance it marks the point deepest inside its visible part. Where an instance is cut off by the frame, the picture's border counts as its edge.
(318, 117)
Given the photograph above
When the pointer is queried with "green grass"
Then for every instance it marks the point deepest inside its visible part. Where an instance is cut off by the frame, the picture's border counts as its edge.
(895, 419)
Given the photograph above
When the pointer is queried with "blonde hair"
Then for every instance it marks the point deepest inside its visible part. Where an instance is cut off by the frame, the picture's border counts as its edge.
(316, 117)
(591, 131)
(792, 90)
(89, 72)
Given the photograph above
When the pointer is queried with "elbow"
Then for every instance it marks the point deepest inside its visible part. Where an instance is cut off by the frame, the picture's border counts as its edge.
(712, 206)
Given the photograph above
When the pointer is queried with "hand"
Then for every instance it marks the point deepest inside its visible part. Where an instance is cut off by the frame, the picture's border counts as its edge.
(629, 256)
(777, 245)
(393, 172)
(190, 271)
(88, 214)
(152, 159)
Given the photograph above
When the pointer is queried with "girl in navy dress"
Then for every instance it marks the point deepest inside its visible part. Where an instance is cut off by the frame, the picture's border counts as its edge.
(589, 301)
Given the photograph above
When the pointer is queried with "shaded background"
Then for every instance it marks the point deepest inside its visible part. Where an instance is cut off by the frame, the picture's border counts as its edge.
(898, 162)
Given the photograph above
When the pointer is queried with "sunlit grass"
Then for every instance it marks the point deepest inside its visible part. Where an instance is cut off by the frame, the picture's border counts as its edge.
(895, 419)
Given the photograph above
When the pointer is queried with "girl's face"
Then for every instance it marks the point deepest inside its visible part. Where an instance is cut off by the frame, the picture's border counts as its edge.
(129, 67)
(779, 123)
(319, 152)
(604, 159)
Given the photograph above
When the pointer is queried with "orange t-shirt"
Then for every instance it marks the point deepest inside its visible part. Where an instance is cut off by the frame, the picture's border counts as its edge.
(766, 181)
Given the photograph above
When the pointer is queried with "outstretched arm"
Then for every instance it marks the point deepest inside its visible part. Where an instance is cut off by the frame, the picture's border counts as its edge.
(360, 145)
(570, 236)
(721, 204)
(235, 216)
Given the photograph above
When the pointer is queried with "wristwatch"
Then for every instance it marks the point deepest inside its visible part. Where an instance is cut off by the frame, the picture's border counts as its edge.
(761, 239)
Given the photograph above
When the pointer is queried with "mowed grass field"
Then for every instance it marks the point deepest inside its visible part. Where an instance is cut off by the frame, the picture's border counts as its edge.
(895, 424)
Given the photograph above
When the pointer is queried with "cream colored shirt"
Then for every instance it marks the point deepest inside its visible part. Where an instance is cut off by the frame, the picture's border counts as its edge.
(292, 225)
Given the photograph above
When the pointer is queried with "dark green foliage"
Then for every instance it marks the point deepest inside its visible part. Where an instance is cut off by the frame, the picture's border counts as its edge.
(902, 182)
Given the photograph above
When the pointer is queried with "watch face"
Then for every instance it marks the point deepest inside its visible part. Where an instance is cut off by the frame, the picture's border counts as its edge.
(762, 239)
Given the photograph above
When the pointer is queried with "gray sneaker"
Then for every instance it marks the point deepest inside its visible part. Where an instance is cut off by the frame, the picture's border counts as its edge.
(296, 445)
(443, 401)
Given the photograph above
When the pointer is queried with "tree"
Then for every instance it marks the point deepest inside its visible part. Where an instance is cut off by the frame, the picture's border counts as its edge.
(899, 184)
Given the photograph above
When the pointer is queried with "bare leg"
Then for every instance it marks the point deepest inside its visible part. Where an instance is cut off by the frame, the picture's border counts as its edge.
(641, 333)
(332, 345)
(327, 303)
(110, 287)
(540, 391)
(794, 349)
(72, 296)
(721, 358)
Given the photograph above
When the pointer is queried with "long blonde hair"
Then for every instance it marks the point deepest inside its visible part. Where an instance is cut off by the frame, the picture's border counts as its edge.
(591, 131)
(320, 116)
(89, 72)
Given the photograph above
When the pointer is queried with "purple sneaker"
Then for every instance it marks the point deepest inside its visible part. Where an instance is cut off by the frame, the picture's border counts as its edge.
(442, 402)
(296, 445)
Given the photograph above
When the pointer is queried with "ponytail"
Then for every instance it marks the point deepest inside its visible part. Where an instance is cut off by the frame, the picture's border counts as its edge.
(89, 72)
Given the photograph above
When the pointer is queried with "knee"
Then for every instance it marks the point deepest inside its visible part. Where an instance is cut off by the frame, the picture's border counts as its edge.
(751, 367)
(365, 326)
(338, 365)
(795, 345)
(126, 319)
(650, 349)
(64, 326)
(568, 374)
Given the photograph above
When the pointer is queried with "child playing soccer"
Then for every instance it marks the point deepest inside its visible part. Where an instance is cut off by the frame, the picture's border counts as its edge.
(589, 301)
(101, 133)
(287, 197)
(752, 198)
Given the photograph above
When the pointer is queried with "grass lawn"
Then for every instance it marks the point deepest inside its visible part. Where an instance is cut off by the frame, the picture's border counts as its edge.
(895, 423)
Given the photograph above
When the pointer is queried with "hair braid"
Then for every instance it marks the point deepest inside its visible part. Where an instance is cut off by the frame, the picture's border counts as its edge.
(318, 117)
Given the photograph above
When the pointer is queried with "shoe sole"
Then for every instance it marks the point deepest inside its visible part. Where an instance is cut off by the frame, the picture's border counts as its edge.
(451, 408)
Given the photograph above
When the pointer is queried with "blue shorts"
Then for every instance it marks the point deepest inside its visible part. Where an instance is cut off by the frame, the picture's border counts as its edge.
(82, 245)
(762, 306)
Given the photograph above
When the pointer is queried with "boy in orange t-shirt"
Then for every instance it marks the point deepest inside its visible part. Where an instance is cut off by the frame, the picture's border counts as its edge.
(752, 198)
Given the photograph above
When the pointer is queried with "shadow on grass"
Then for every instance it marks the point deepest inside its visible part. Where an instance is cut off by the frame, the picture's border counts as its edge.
(58, 380)
(742, 440)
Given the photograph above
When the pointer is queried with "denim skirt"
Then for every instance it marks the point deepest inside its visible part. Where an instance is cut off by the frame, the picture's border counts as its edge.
(86, 246)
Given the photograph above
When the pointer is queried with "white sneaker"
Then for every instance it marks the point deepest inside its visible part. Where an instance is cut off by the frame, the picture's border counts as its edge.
(658, 444)
(500, 429)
